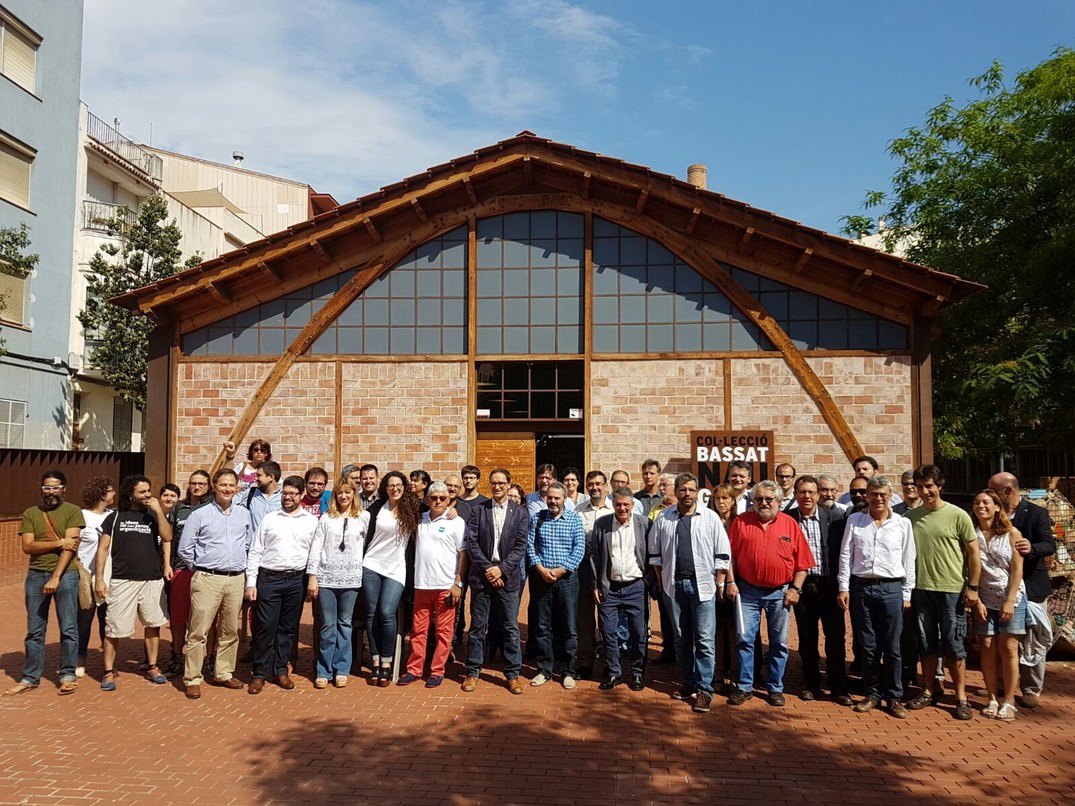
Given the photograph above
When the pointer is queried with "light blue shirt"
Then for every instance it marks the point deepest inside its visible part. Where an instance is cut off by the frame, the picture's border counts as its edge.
(261, 505)
(216, 539)
(535, 503)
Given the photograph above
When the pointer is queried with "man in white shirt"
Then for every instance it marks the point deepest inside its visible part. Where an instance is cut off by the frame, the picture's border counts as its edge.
(876, 577)
(597, 505)
(440, 563)
(739, 474)
(276, 583)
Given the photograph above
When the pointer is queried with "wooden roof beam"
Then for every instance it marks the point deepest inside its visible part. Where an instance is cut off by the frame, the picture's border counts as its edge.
(934, 305)
(643, 197)
(469, 187)
(696, 213)
(372, 230)
(417, 207)
(858, 282)
(528, 170)
(802, 260)
(744, 242)
(274, 273)
(586, 177)
(217, 290)
(317, 247)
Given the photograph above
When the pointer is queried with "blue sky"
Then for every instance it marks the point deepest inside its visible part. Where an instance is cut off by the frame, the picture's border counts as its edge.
(790, 104)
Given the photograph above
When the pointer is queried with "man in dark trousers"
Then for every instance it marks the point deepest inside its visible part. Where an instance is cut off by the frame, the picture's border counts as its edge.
(1037, 543)
(823, 529)
(495, 542)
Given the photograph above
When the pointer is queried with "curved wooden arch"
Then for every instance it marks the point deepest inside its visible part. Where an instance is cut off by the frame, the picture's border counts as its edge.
(688, 251)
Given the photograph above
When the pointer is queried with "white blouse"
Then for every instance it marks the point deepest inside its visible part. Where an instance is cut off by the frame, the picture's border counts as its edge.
(336, 552)
(996, 555)
(387, 552)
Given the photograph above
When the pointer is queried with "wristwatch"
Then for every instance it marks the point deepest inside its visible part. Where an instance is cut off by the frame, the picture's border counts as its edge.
(797, 589)
(972, 588)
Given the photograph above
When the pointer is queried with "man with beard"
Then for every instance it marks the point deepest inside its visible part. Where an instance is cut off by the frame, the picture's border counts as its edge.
(828, 491)
(49, 535)
(771, 558)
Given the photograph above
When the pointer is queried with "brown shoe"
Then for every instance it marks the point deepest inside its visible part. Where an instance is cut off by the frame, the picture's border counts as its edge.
(897, 710)
(231, 682)
(515, 685)
(256, 685)
(471, 683)
(194, 692)
(866, 705)
(285, 682)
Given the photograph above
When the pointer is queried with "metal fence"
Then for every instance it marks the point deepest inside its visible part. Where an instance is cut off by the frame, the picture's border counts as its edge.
(98, 216)
(20, 473)
(1031, 465)
(125, 148)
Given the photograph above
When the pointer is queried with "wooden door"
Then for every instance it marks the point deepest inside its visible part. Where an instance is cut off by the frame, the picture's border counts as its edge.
(514, 451)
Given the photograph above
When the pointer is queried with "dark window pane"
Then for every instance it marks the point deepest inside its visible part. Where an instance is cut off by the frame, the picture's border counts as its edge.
(633, 280)
(863, 335)
(491, 401)
(516, 405)
(661, 278)
(569, 225)
(542, 375)
(633, 251)
(272, 313)
(543, 224)
(891, 336)
(543, 253)
(543, 405)
(516, 376)
(687, 280)
(802, 305)
(832, 335)
(565, 401)
(489, 228)
(194, 342)
(569, 252)
(604, 229)
(247, 318)
(803, 334)
(776, 303)
(716, 308)
(220, 341)
(517, 226)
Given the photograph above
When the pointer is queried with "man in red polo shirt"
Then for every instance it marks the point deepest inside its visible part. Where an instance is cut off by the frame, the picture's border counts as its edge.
(770, 556)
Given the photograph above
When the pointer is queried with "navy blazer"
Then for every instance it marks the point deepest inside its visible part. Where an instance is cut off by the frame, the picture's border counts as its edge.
(832, 534)
(478, 544)
(1034, 524)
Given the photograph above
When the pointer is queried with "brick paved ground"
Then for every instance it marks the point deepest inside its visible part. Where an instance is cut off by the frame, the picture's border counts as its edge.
(147, 744)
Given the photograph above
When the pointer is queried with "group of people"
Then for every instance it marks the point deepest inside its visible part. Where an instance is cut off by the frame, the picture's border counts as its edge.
(911, 569)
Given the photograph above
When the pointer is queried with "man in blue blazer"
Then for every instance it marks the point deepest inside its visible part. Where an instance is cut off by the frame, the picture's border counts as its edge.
(618, 562)
(824, 529)
(495, 541)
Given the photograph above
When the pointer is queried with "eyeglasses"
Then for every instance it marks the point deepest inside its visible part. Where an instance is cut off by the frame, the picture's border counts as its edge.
(316, 483)
(784, 476)
(758, 499)
(498, 483)
(198, 484)
(859, 492)
(437, 497)
(51, 488)
(258, 450)
(393, 486)
(290, 494)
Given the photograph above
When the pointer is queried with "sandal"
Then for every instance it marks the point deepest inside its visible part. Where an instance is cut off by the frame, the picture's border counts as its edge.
(155, 675)
(108, 681)
(21, 688)
(68, 687)
(321, 682)
(990, 711)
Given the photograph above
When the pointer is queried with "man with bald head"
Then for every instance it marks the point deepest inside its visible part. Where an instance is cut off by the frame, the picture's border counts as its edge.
(1037, 543)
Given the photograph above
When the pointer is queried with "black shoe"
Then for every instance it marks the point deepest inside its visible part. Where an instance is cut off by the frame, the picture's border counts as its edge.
(776, 699)
(923, 700)
(702, 702)
(665, 658)
(809, 695)
(636, 683)
(964, 711)
(683, 693)
(609, 682)
(842, 698)
(739, 697)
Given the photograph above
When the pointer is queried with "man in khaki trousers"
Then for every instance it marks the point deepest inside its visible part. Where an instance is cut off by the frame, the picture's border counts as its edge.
(215, 542)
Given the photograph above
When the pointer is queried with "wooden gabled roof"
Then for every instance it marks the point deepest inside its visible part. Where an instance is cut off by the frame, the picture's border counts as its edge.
(529, 172)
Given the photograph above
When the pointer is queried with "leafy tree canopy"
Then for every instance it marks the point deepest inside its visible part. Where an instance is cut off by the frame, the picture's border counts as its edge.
(147, 251)
(987, 192)
(15, 261)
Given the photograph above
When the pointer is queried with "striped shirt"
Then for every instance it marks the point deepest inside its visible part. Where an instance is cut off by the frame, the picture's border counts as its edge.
(811, 527)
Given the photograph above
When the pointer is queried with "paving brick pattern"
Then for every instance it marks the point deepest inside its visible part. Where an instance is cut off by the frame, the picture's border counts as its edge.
(147, 744)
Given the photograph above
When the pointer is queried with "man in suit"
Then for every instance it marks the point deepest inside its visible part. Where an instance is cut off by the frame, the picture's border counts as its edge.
(823, 529)
(496, 541)
(618, 561)
(1037, 543)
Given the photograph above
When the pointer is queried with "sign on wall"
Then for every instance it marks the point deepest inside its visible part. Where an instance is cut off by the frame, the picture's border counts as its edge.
(713, 451)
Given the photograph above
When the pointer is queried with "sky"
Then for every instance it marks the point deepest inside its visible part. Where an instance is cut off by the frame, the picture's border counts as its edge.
(790, 104)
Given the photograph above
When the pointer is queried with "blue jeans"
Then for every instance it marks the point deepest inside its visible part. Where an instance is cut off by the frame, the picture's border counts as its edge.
(381, 597)
(334, 651)
(557, 621)
(37, 622)
(753, 601)
(877, 619)
(507, 603)
(694, 626)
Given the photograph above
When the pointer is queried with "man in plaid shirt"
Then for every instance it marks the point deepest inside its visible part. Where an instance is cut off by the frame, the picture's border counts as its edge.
(556, 546)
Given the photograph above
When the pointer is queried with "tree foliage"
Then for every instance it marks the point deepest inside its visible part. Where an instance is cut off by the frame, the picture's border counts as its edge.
(15, 261)
(987, 192)
(147, 251)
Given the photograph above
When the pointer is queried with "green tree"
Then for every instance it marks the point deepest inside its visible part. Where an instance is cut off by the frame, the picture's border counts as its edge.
(987, 192)
(147, 251)
(15, 261)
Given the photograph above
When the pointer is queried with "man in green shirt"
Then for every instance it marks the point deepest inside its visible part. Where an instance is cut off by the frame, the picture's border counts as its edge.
(50, 535)
(944, 538)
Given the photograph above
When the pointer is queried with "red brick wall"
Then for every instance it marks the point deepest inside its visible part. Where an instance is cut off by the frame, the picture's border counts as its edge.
(12, 560)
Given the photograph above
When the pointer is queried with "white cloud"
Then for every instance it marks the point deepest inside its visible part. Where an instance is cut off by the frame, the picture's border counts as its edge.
(347, 95)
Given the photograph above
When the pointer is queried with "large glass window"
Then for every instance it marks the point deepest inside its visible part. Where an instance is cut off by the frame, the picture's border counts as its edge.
(530, 390)
(416, 308)
(646, 300)
(530, 283)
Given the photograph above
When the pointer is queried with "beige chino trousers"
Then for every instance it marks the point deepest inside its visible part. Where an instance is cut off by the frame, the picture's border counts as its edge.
(210, 595)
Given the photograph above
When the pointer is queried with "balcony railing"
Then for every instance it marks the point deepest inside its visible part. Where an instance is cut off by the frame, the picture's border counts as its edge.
(98, 215)
(124, 148)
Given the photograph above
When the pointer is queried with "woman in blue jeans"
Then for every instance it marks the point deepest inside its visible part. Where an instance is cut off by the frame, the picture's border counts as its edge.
(335, 570)
(393, 522)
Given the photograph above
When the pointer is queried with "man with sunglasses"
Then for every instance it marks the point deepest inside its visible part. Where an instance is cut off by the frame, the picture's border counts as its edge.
(770, 559)
(50, 536)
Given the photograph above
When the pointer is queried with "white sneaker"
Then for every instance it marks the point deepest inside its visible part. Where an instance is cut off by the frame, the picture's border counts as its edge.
(80, 671)
(539, 680)
(569, 682)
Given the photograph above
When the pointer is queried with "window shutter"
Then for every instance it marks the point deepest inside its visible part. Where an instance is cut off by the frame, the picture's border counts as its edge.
(14, 175)
(20, 59)
(12, 423)
(13, 294)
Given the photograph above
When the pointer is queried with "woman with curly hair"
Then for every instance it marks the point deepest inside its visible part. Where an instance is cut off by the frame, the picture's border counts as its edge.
(98, 498)
(393, 523)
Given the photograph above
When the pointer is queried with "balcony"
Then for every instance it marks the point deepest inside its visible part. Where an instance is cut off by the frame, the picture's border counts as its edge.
(97, 215)
(126, 150)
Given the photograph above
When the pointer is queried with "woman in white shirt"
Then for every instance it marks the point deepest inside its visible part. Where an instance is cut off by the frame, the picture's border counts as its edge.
(335, 569)
(1000, 615)
(394, 519)
(246, 469)
(98, 496)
